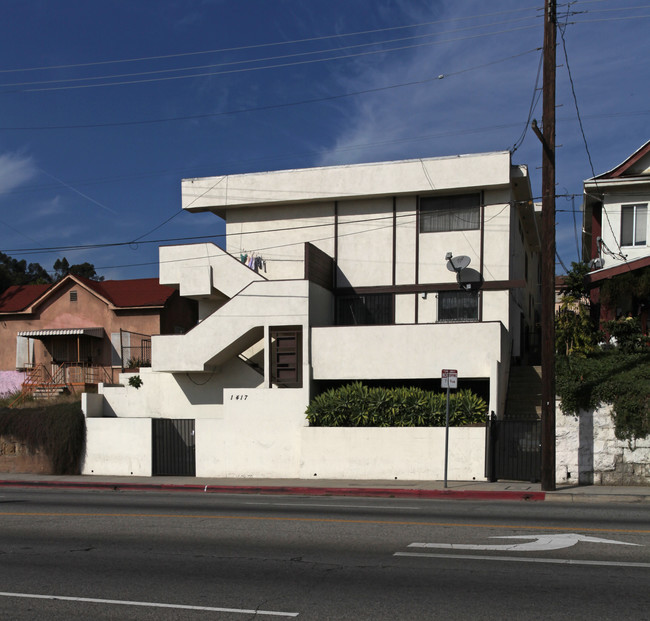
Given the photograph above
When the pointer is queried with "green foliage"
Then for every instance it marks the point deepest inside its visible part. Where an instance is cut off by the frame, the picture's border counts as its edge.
(357, 405)
(85, 270)
(135, 381)
(136, 363)
(575, 333)
(614, 376)
(575, 281)
(14, 272)
(58, 430)
(627, 291)
(628, 334)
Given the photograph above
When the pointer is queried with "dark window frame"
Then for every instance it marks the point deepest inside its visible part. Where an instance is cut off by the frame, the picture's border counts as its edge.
(458, 312)
(373, 309)
(451, 212)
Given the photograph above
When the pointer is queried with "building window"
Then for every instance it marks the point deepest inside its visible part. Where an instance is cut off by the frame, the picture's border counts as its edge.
(457, 212)
(634, 224)
(365, 310)
(457, 306)
(73, 295)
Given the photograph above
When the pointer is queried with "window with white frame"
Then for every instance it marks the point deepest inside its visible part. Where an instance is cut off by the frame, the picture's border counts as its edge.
(634, 220)
(458, 306)
(455, 212)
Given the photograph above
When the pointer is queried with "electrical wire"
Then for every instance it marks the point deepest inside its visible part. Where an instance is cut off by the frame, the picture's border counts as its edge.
(582, 131)
(337, 49)
(531, 109)
(261, 45)
(249, 69)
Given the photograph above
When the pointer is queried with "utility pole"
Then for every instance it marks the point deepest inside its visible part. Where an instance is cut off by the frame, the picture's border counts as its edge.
(548, 247)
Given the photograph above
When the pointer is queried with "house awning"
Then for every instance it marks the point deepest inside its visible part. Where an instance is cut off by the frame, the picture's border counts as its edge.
(37, 334)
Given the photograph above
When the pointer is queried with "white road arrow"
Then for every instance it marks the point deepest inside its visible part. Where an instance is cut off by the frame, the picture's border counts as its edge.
(541, 543)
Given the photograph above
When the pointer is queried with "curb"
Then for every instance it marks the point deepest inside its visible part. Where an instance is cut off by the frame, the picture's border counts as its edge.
(369, 492)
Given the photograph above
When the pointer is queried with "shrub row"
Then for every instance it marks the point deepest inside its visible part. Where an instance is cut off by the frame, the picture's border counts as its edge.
(614, 376)
(357, 405)
(58, 430)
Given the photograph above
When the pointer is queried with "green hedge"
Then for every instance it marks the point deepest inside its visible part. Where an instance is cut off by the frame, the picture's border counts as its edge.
(57, 430)
(615, 376)
(357, 405)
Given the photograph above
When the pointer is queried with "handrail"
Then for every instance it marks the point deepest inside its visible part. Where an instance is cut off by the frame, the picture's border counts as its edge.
(63, 375)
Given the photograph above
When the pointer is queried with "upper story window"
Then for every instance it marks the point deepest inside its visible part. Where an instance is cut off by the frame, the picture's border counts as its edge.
(73, 295)
(456, 212)
(365, 310)
(634, 220)
(458, 306)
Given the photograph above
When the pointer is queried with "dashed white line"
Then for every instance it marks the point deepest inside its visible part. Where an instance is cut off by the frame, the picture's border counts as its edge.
(119, 602)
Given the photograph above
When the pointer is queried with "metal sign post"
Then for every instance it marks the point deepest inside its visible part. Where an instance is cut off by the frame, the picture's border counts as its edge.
(449, 379)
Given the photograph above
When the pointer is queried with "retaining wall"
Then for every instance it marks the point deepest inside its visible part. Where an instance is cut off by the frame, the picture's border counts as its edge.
(588, 451)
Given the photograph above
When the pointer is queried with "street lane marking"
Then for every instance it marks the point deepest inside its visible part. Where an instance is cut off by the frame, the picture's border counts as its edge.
(541, 543)
(119, 602)
(523, 559)
(321, 520)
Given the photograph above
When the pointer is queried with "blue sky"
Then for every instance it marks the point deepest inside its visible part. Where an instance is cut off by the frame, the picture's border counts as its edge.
(106, 106)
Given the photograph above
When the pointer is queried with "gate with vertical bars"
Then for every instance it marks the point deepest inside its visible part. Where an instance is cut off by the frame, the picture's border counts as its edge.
(513, 450)
(173, 447)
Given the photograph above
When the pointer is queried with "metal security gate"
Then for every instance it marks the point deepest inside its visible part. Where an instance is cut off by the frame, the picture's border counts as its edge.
(173, 447)
(514, 450)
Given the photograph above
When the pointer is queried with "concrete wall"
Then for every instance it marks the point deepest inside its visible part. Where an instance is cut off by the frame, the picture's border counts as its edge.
(589, 452)
(258, 436)
(338, 182)
(176, 395)
(120, 447)
(412, 351)
(392, 453)
(11, 381)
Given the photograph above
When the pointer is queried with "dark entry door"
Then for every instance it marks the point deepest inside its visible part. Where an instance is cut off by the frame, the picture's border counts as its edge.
(514, 450)
(173, 447)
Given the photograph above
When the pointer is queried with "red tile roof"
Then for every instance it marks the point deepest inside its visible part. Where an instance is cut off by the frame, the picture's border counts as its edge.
(19, 297)
(128, 293)
(120, 293)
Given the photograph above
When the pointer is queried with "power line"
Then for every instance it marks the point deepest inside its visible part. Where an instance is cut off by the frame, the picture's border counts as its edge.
(79, 247)
(276, 106)
(582, 131)
(262, 45)
(249, 69)
(253, 60)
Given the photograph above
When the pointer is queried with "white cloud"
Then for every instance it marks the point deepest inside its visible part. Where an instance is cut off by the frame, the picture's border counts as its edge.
(15, 170)
(435, 118)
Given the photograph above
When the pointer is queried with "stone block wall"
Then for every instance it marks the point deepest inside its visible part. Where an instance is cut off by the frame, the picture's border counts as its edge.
(588, 451)
(15, 457)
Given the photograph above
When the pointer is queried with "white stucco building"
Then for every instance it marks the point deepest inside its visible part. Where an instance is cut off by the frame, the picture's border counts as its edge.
(331, 275)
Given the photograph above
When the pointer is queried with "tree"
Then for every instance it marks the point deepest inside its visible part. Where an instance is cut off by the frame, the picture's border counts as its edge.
(575, 331)
(85, 270)
(14, 272)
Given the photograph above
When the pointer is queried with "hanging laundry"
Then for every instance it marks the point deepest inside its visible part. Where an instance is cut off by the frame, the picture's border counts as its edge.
(243, 258)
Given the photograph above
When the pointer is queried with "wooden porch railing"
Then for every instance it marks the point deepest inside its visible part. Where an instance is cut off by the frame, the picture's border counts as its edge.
(63, 375)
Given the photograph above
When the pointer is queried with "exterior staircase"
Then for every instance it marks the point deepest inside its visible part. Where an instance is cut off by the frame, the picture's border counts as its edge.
(524, 399)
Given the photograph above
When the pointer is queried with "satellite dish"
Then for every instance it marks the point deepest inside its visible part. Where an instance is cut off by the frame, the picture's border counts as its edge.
(469, 279)
(456, 264)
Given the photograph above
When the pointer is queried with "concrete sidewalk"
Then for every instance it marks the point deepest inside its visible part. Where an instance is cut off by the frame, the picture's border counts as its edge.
(458, 490)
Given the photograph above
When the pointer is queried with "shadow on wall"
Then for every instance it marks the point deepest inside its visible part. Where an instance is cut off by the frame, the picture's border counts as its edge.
(207, 388)
(586, 448)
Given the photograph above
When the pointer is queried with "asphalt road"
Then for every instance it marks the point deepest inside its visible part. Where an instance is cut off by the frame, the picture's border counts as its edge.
(109, 555)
